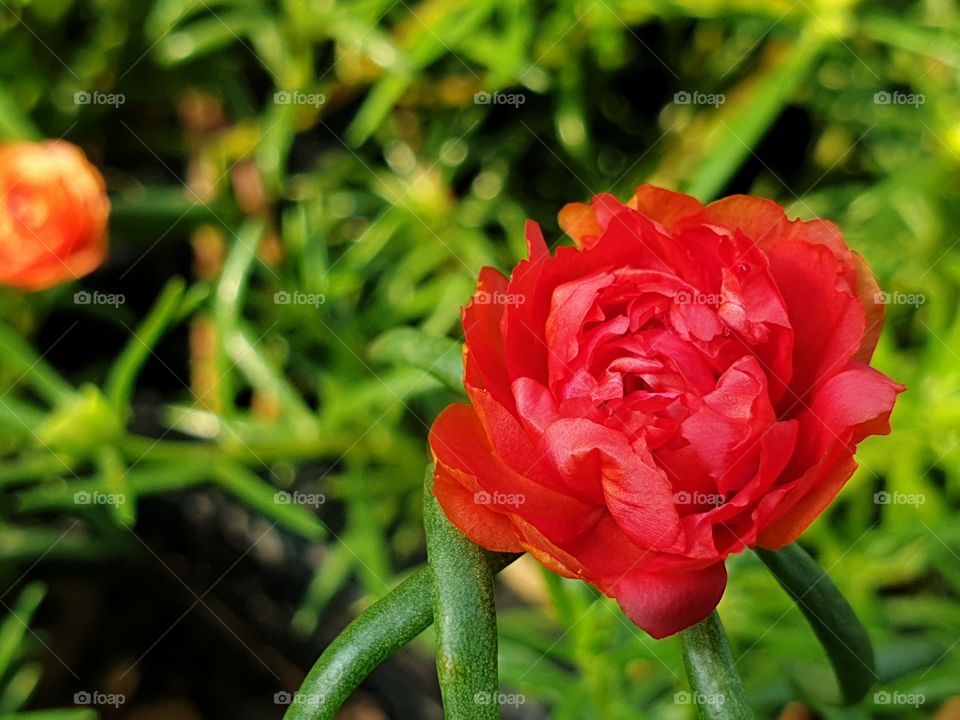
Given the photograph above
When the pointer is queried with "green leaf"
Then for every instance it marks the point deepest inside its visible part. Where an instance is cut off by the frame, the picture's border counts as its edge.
(906, 656)
(454, 22)
(80, 424)
(19, 686)
(149, 210)
(439, 356)
(123, 374)
(276, 504)
(836, 625)
(464, 610)
(716, 688)
(18, 355)
(933, 43)
(330, 577)
(16, 625)
(56, 714)
(207, 35)
(15, 124)
(743, 123)
(258, 368)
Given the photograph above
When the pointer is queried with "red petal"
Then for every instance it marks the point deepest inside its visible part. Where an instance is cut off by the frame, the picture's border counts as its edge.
(507, 436)
(850, 406)
(601, 555)
(665, 603)
(725, 430)
(869, 293)
(536, 245)
(484, 364)
(484, 526)
(459, 443)
(813, 268)
(536, 407)
(814, 492)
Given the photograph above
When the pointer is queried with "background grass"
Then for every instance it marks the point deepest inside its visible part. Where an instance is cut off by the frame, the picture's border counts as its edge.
(339, 150)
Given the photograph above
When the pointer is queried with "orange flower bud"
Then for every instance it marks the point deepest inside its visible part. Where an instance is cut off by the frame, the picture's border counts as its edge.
(53, 214)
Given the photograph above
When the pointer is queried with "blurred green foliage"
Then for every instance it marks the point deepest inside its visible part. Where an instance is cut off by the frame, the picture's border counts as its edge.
(336, 151)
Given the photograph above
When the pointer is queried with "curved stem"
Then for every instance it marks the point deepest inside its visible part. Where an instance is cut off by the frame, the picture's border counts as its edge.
(464, 610)
(834, 622)
(375, 635)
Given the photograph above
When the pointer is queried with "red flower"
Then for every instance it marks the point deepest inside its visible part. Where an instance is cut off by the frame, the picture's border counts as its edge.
(688, 382)
(53, 214)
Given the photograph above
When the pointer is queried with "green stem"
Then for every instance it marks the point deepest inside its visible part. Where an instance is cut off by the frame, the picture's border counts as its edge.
(254, 447)
(380, 631)
(60, 496)
(375, 635)
(843, 637)
(716, 687)
(464, 609)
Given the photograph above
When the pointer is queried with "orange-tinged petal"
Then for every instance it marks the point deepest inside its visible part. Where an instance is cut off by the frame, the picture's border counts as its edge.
(667, 207)
(579, 221)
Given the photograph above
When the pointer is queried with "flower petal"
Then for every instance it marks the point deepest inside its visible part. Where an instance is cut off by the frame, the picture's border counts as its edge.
(579, 222)
(460, 445)
(485, 527)
(664, 603)
(667, 207)
(484, 349)
(850, 406)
